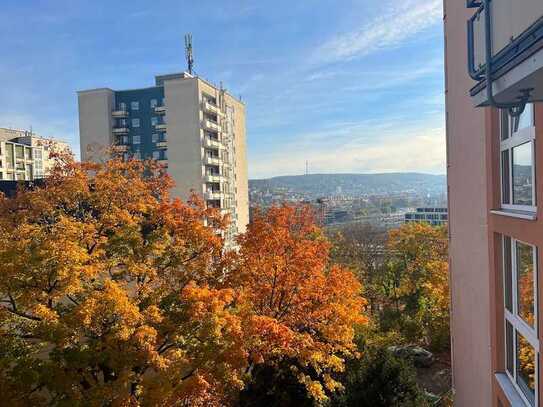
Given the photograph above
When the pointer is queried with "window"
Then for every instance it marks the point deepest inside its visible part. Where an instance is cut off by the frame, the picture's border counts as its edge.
(156, 155)
(517, 161)
(154, 138)
(28, 153)
(19, 152)
(136, 139)
(135, 105)
(122, 106)
(135, 122)
(154, 103)
(28, 172)
(520, 303)
(38, 154)
(154, 121)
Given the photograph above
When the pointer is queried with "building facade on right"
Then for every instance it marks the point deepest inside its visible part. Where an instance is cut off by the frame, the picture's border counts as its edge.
(494, 81)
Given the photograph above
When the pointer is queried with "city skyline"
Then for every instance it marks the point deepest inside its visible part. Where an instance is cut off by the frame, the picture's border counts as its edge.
(333, 96)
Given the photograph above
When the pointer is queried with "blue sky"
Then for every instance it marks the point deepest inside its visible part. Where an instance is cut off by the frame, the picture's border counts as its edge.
(350, 85)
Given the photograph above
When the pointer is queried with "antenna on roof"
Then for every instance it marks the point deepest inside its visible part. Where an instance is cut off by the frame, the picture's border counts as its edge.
(188, 52)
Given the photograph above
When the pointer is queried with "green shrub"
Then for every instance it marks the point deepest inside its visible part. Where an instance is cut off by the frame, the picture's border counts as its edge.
(379, 379)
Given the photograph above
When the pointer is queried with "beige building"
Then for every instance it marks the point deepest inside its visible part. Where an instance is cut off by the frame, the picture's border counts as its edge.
(494, 81)
(196, 129)
(25, 156)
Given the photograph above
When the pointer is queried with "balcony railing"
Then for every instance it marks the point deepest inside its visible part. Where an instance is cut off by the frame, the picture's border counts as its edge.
(212, 160)
(160, 109)
(211, 126)
(120, 130)
(161, 126)
(211, 108)
(120, 147)
(211, 143)
(213, 178)
(213, 195)
(119, 113)
(162, 144)
(512, 49)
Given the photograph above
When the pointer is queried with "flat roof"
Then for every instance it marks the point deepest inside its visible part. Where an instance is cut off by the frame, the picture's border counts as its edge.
(177, 75)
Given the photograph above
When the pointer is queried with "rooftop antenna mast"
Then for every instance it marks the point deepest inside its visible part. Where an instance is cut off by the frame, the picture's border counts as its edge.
(188, 52)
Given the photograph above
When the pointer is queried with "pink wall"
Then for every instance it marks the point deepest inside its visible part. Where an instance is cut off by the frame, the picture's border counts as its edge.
(468, 214)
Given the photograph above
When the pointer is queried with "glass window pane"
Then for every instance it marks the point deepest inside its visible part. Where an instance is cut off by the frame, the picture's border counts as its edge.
(525, 283)
(509, 348)
(522, 175)
(527, 117)
(507, 274)
(506, 196)
(526, 368)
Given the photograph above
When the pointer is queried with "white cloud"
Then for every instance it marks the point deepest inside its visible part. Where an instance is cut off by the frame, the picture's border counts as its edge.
(401, 22)
(360, 148)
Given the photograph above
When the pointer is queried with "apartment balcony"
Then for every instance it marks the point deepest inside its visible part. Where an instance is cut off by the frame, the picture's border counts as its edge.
(160, 109)
(120, 148)
(211, 108)
(162, 144)
(120, 130)
(161, 127)
(213, 178)
(211, 126)
(515, 50)
(213, 195)
(212, 160)
(119, 114)
(211, 143)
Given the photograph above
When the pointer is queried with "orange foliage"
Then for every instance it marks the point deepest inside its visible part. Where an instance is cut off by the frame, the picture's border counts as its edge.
(113, 293)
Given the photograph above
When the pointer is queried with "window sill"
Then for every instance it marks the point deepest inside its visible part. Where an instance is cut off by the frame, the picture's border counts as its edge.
(509, 390)
(515, 214)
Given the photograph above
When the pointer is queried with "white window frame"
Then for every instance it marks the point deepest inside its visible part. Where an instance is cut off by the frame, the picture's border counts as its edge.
(136, 139)
(154, 121)
(156, 155)
(155, 138)
(135, 105)
(516, 139)
(136, 122)
(516, 321)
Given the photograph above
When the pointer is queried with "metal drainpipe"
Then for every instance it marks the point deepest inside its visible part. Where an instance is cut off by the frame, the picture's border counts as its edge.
(515, 109)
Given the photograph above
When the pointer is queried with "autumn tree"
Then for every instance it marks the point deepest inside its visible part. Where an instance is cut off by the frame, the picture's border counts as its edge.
(112, 293)
(416, 282)
(361, 247)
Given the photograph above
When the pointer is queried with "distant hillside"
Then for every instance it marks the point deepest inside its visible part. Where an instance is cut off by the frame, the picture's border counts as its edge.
(353, 184)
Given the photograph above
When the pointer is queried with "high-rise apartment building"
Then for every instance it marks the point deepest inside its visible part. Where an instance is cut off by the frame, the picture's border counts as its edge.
(494, 79)
(25, 156)
(196, 129)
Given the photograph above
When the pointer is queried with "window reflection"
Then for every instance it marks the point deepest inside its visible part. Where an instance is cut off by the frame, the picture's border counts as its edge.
(526, 119)
(522, 174)
(525, 283)
(526, 368)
